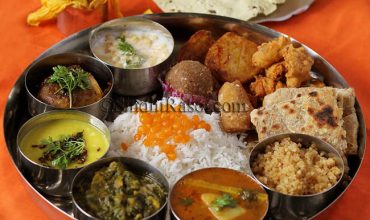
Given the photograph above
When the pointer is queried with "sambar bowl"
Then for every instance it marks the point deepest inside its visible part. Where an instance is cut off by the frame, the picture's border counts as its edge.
(42, 69)
(55, 181)
(284, 206)
(188, 196)
(82, 181)
(137, 80)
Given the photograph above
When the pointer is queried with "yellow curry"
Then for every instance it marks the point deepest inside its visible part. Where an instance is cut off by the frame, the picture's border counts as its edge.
(64, 143)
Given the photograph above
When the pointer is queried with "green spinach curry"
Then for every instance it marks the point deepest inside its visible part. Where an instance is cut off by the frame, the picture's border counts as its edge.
(117, 193)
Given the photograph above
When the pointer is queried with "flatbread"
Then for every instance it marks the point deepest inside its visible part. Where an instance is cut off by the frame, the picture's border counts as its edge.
(350, 125)
(240, 9)
(345, 97)
(345, 101)
(316, 114)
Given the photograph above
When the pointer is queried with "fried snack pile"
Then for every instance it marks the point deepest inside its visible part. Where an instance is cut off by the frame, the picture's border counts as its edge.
(284, 64)
(245, 72)
(51, 8)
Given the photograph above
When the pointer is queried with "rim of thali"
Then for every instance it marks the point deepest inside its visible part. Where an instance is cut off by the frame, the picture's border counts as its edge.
(160, 18)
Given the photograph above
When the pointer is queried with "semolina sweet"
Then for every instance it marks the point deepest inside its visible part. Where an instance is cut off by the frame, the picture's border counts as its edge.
(291, 169)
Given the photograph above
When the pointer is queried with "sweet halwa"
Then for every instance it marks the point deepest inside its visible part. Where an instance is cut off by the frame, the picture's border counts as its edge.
(291, 169)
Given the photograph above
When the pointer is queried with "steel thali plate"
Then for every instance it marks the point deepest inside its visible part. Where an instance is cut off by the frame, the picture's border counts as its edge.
(182, 26)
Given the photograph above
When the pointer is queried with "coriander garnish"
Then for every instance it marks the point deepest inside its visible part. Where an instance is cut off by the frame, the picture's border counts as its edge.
(70, 78)
(133, 60)
(226, 200)
(61, 153)
(125, 47)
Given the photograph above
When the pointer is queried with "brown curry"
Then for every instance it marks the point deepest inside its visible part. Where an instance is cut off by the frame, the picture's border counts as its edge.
(218, 193)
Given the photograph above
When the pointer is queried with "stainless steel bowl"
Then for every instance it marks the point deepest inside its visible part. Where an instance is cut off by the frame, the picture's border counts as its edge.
(174, 216)
(52, 181)
(82, 181)
(41, 69)
(132, 82)
(303, 206)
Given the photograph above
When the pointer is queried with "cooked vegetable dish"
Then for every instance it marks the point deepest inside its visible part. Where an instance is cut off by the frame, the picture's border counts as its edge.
(117, 193)
(218, 193)
(69, 87)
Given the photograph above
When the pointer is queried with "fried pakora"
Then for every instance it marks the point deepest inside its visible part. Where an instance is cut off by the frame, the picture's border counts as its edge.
(197, 46)
(285, 66)
(270, 52)
(298, 64)
(264, 86)
(230, 58)
(276, 71)
(235, 107)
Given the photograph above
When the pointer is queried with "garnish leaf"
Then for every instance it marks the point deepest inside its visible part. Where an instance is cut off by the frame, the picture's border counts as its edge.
(125, 47)
(186, 201)
(133, 60)
(64, 151)
(226, 200)
(70, 78)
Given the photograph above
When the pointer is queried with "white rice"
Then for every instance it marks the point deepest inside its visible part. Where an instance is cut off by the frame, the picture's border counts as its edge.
(205, 149)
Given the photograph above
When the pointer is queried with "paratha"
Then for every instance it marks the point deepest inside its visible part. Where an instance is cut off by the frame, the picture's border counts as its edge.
(312, 111)
(345, 100)
(345, 97)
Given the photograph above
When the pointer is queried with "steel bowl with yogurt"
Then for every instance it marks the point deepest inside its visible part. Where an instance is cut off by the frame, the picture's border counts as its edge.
(136, 49)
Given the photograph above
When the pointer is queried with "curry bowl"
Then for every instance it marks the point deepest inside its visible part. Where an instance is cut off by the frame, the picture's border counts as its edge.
(286, 201)
(69, 81)
(54, 146)
(219, 193)
(136, 49)
(143, 187)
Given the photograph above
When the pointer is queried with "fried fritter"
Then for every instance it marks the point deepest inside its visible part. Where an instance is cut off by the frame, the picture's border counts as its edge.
(235, 107)
(298, 63)
(230, 58)
(197, 46)
(264, 86)
(270, 52)
(276, 71)
(285, 66)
